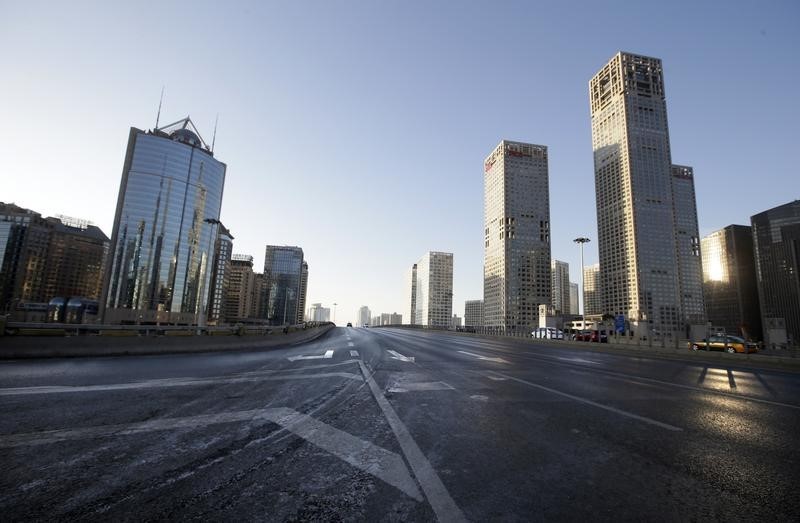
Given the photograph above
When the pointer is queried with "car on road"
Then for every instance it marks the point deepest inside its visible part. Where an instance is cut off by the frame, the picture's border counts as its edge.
(349, 324)
(597, 336)
(548, 333)
(726, 342)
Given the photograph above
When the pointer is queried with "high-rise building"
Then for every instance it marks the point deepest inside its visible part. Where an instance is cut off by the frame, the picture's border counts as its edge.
(283, 271)
(318, 313)
(687, 242)
(592, 298)
(376, 321)
(776, 248)
(220, 275)
(165, 228)
(516, 274)
(45, 258)
(729, 281)
(455, 322)
(363, 316)
(411, 294)
(238, 301)
(559, 272)
(433, 289)
(574, 304)
(303, 291)
(473, 313)
(395, 319)
(642, 230)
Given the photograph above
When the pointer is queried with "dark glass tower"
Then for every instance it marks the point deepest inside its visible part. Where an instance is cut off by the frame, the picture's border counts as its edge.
(283, 272)
(165, 228)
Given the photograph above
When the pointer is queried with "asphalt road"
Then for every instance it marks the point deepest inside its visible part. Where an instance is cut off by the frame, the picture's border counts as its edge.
(398, 425)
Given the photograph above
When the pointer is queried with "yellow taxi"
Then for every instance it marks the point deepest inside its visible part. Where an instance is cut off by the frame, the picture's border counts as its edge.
(728, 343)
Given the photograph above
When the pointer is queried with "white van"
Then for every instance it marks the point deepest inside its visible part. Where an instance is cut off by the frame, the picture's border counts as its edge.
(549, 333)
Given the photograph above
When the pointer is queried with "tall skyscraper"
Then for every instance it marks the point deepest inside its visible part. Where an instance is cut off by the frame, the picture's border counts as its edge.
(559, 271)
(239, 293)
(473, 313)
(411, 294)
(433, 287)
(729, 281)
(516, 273)
(303, 291)
(573, 299)
(593, 299)
(363, 316)
(319, 313)
(687, 242)
(165, 227)
(220, 275)
(283, 271)
(776, 242)
(642, 230)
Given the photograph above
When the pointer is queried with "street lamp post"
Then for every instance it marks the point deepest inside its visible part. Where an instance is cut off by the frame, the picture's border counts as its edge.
(334, 312)
(581, 241)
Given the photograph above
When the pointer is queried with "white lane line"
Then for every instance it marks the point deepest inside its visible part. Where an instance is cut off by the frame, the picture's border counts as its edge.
(578, 360)
(439, 498)
(351, 344)
(485, 358)
(595, 404)
(397, 356)
(420, 386)
(354, 353)
(328, 354)
(363, 455)
(496, 378)
(173, 382)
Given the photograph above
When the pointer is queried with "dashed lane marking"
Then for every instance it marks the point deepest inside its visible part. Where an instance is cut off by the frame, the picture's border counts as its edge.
(484, 358)
(354, 353)
(351, 344)
(397, 356)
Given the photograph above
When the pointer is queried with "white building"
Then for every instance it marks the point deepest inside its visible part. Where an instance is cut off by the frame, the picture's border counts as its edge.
(364, 316)
(432, 290)
(639, 221)
(318, 313)
(516, 274)
(592, 298)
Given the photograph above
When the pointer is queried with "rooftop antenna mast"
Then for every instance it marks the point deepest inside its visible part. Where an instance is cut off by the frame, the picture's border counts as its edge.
(160, 100)
(214, 138)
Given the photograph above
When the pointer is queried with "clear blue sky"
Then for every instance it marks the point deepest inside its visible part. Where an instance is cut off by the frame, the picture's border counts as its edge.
(357, 130)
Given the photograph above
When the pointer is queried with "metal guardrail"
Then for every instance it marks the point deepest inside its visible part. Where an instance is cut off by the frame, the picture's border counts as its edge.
(72, 329)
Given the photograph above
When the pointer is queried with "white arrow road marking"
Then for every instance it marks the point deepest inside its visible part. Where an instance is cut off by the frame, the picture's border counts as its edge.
(354, 353)
(397, 356)
(421, 386)
(485, 358)
(328, 354)
(363, 455)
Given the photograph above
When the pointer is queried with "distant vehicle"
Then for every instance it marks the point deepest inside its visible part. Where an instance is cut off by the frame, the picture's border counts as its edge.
(349, 324)
(366, 325)
(548, 333)
(728, 343)
(596, 336)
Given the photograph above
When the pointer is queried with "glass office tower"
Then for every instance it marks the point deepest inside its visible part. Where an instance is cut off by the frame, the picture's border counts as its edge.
(165, 228)
(283, 272)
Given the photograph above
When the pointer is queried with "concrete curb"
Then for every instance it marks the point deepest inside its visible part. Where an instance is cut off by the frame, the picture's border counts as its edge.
(97, 346)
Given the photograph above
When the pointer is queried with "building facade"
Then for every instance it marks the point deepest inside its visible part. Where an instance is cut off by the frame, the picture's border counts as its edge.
(592, 297)
(776, 249)
(516, 276)
(283, 271)
(219, 276)
(411, 294)
(318, 313)
(363, 316)
(638, 219)
(729, 281)
(559, 289)
(239, 294)
(687, 241)
(165, 227)
(574, 304)
(473, 313)
(44, 258)
(303, 291)
(433, 290)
